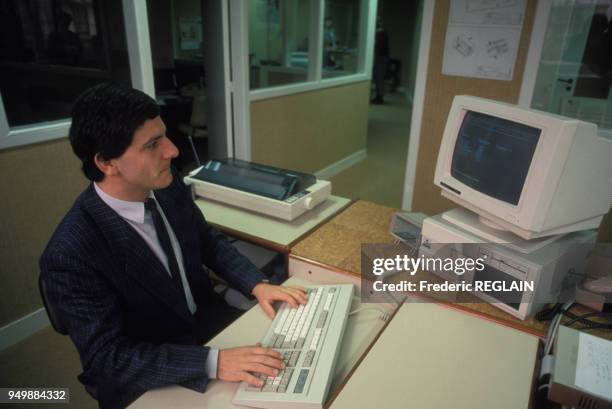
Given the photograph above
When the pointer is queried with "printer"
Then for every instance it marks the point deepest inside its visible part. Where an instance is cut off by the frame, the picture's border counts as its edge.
(272, 191)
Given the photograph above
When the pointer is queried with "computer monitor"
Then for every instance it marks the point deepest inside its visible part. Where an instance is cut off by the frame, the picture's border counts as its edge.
(529, 172)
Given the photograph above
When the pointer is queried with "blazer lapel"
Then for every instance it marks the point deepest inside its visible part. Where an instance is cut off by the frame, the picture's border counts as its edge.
(140, 261)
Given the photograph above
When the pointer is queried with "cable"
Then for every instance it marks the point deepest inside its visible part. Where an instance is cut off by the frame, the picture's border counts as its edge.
(555, 314)
(385, 314)
(554, 325)
(582, 318)
(596, 326)
(548, 314)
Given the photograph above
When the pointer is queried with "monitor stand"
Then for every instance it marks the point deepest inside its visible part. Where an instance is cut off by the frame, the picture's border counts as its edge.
(471, 222)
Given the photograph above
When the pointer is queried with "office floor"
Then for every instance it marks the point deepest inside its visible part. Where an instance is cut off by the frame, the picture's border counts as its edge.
(380, 177)
(46, 359)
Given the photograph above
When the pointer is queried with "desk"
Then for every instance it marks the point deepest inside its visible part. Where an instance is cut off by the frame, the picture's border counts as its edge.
(441, 349)
(437, 357)
(336, 246)
(275, 234)
(361, 330)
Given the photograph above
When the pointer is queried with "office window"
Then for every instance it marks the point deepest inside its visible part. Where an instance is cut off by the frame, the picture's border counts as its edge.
(574, 76)
(52, 50)
(278, 42)
(176, 37)
(341, 37)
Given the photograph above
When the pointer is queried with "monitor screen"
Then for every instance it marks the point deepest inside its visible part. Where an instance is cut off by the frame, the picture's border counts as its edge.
(492, 155)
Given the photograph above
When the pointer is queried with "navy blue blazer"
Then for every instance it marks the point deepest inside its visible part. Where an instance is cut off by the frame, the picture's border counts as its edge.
(130, 323)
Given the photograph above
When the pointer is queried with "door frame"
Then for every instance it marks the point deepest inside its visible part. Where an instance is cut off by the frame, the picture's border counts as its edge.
(237, 23)
(418, 102)
(534, 54)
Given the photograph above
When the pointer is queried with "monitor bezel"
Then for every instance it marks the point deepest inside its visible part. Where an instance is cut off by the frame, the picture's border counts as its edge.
(543, 168)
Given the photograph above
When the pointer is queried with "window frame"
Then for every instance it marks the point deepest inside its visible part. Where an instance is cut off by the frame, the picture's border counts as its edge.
(315, 81)
(139, 58)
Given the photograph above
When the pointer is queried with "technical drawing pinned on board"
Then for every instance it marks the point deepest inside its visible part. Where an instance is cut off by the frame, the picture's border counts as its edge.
(482, 38)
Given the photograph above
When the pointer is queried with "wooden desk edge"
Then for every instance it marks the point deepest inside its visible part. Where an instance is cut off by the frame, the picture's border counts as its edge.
(322, 223)
(467, 310)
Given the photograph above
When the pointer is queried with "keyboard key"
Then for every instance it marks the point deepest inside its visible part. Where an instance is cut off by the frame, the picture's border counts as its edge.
(291, 330)
(285, 379)
(279, 341)
(282, 317)
(253, 388)
(286, 376)
(322, 318)
(269, 387)
(328, 302)
(314, 342)
(294, 358)
(308, 358)
(301, 382)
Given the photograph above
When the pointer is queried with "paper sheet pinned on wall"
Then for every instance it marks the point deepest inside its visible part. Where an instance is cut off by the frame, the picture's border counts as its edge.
(482, 38)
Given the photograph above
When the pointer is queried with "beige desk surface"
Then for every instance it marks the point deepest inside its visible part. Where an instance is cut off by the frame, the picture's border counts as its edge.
(249, 329)
(269, 232)
(432, 356)
(337, 245)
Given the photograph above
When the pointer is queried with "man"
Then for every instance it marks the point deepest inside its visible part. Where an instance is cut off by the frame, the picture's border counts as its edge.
(381, 58)
(330, 43)
(123, 271)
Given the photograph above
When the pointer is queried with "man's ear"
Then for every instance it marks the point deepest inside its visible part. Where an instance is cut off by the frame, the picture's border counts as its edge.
(106, 166)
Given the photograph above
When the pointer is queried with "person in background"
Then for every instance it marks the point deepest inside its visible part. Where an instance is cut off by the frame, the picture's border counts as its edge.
(330, 43)
(381, 58)
(64, 44)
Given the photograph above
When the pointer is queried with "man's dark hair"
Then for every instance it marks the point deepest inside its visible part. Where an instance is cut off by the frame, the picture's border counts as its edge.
(104, 120)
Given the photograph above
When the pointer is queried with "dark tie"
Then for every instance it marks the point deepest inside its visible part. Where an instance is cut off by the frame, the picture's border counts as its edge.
(164, 240)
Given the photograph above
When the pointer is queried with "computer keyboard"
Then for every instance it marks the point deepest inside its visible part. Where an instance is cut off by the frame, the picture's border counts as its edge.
(309, 340)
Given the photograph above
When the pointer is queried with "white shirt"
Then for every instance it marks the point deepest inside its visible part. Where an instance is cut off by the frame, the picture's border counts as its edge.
(135, 214)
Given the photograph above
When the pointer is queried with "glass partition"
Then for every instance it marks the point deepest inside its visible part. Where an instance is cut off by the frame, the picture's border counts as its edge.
(52, 50)
(575, 70)
(278, 42)
(341, 37)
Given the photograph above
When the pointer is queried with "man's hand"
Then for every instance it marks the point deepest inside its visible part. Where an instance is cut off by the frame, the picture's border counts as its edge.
(266, 294)
(237, 364)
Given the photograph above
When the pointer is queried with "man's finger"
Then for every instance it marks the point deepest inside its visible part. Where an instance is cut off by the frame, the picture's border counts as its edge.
(251, 379)
(268, 361)
(297, 287)
(267, 309)
(298, 295)
(285, 296)
(266, 351)
(263, 369)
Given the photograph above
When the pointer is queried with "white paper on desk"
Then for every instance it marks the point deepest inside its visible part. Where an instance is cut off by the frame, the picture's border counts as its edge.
(594, 365)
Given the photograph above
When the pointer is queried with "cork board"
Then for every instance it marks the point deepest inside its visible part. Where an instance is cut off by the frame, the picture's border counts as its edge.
(439, 93)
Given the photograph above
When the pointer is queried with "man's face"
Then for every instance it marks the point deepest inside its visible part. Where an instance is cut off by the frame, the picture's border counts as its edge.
(145, 165)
